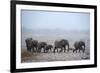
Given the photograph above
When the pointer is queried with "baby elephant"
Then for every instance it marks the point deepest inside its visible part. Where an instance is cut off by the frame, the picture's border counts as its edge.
(48, 48)
(80, 45)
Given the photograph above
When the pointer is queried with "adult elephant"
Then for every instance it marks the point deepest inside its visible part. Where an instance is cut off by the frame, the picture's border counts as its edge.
(48, 48)
(41, 45)
(61, 44)
(29, 44)
(34, 45)
(80, 45)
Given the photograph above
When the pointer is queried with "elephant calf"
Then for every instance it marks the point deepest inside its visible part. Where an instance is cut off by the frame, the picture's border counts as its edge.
(80, 45)
(47, 48)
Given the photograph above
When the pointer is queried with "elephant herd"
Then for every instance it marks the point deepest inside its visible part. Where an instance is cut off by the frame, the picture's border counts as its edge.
(59, 46)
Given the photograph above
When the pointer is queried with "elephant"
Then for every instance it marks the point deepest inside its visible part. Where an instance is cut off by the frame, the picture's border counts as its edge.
(47, 48)
(34, 45)
(61, 44)
(29, 44)
(80, 45)
(41, 45)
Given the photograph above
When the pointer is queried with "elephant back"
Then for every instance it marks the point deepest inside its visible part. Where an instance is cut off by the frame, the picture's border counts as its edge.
(64, 42)
(57, 43)
(42, 44)
(79, 44)
(48, 46)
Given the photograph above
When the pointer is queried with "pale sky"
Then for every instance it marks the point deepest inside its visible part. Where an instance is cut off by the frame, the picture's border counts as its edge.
(55, 20)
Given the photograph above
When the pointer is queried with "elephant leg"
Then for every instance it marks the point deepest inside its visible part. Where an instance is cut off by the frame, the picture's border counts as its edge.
(73, 51)
(33, 49)
(57, 49)
(64, 49)
(54, 49)
(76, 50)
(79, 50)
(39, 50)
(83, 50)
(61, 50)
(68, 49)
(45, 50)
(36, 49)
(50, 50)
(29, 49)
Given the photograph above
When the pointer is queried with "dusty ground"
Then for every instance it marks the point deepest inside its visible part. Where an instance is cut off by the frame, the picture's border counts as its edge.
(46, 57)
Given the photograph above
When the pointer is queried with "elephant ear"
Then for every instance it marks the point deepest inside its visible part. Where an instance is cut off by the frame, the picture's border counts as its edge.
(82, 43)
(34, 41)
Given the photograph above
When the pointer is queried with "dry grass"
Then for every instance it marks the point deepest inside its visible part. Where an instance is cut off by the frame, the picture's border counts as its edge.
(26, 54)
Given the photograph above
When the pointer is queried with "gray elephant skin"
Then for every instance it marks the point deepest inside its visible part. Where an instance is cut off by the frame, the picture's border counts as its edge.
(48, 48)
(80, 45)
(41, 45)
(61, 44)
(31, 44)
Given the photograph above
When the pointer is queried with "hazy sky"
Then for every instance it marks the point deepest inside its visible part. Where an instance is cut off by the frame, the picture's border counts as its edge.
(55, 20)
